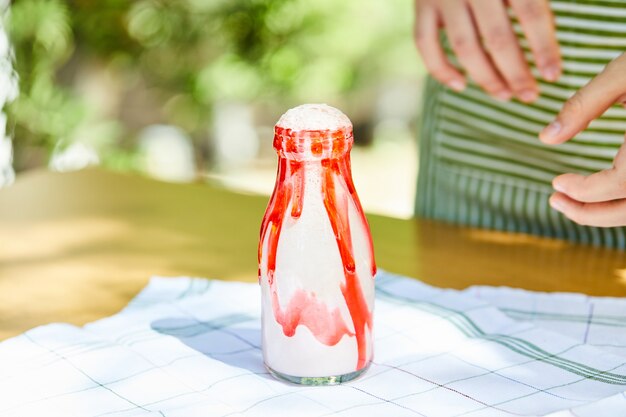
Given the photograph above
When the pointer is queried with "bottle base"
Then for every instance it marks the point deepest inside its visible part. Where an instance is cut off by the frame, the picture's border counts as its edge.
(318, 380)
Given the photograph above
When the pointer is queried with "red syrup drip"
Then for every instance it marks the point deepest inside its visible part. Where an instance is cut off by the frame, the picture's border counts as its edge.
(351, 288)
(304, 308)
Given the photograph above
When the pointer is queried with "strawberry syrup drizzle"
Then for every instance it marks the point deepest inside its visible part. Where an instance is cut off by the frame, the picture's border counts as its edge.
(345, 173)
(304, 308)
(337, 208)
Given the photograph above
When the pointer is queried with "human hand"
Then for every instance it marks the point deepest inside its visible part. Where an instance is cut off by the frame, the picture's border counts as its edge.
(598, 199)
(481, 36)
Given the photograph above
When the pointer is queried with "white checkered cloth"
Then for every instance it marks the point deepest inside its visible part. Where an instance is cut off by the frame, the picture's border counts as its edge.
(191, 347)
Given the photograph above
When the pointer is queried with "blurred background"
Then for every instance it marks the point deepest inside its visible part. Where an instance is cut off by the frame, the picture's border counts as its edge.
(189, 90)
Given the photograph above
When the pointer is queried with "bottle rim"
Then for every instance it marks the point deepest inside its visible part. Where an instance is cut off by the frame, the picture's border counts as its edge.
(313, 145)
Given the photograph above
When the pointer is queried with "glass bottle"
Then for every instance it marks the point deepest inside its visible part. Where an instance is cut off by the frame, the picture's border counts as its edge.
(316, 260)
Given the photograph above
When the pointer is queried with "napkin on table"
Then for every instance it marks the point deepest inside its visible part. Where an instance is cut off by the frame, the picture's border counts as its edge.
(191, 347)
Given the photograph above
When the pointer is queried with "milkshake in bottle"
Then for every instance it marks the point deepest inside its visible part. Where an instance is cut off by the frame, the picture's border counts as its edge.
(316, 260)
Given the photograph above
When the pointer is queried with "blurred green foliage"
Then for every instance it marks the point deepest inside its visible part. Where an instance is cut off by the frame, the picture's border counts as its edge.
(190, 54)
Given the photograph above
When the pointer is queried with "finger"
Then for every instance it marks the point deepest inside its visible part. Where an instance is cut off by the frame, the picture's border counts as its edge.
(427, 41)
(604, 214)
(601, 186)
(588, 103)
(502, 44)
(537, 22)
(606, 185)
(465, 44)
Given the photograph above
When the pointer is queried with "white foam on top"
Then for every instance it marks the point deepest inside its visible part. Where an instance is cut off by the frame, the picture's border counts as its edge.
(313, 117)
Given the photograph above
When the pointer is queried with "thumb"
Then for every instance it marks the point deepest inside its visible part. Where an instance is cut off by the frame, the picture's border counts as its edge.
(588, 103)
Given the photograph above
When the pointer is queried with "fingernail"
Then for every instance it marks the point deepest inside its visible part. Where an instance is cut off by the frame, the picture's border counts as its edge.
(556, 204)
(551, 73)
(504, 95)
(550, 131)
(559, 187)
(527, 95)
(457, 85)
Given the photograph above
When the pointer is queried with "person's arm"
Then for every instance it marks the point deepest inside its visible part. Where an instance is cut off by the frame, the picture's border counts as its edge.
(598, 199)
(482, 37)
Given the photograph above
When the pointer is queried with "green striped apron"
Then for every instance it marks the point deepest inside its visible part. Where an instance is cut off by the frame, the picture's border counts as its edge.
(481, 163)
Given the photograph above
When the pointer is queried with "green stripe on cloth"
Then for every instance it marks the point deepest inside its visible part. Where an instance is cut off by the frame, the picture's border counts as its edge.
(614, 321)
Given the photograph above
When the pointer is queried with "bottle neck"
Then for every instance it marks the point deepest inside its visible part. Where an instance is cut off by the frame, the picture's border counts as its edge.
(313, 145)
(310, 161)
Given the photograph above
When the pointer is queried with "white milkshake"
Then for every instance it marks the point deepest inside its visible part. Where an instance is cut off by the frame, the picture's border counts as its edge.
(316, 262)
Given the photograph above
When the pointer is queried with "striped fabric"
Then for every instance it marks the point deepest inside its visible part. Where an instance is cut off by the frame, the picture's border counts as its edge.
(481, 162)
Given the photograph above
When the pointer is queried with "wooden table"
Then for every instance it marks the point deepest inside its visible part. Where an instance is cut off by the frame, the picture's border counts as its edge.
(77, 247)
